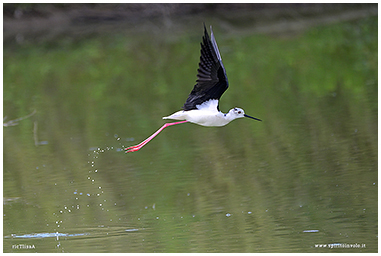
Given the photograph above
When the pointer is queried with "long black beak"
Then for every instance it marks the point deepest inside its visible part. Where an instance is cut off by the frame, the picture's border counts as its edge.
(252, 117)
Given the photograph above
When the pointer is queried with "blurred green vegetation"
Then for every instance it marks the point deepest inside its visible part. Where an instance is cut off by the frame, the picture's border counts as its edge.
(247, 187)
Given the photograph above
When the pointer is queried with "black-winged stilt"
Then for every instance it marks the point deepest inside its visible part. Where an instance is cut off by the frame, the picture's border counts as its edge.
(201, 107)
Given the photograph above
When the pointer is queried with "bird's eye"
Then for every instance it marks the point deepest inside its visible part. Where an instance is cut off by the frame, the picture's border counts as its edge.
(239, 112)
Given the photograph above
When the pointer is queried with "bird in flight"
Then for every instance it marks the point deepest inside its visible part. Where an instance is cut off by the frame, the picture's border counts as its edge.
(201, 107)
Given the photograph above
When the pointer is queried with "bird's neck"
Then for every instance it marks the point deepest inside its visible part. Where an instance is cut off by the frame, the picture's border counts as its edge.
(229, 117)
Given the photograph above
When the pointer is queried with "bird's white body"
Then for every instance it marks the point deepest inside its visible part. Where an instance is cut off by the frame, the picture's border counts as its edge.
(207, 114)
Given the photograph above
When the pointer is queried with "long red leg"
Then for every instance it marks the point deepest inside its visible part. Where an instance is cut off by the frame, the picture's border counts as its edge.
(141, 144)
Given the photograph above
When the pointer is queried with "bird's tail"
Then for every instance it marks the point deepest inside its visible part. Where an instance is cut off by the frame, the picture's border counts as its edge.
(179, 115)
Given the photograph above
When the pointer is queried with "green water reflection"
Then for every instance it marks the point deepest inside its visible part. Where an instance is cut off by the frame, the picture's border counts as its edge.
(306, 175)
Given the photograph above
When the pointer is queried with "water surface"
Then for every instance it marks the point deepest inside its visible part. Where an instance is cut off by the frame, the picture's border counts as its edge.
(303, 180)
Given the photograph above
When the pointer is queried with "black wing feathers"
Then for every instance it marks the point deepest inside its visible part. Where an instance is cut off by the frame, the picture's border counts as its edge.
(212, 81)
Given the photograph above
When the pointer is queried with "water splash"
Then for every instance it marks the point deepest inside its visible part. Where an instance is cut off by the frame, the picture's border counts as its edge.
(45, 235)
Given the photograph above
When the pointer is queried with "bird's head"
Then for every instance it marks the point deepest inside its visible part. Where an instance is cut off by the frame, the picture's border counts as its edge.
(238, 113)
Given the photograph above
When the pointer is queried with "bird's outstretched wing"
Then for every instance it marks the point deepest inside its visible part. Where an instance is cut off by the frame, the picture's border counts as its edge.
(212, 81)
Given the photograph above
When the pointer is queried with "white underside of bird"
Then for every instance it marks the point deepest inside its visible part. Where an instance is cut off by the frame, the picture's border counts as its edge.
(207, 114)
